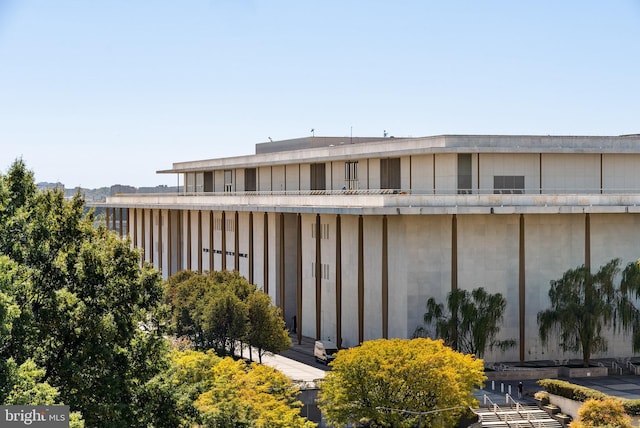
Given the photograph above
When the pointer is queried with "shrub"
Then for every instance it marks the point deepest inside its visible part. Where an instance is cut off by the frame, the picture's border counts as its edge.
(632, 407)
(541, 395)
(602, 413)
(570, 390)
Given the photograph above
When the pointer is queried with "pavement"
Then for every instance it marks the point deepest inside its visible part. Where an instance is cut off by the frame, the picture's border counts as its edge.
(299, 364)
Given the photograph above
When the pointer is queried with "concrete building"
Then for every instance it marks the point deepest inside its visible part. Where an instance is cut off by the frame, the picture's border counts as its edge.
(352, 236)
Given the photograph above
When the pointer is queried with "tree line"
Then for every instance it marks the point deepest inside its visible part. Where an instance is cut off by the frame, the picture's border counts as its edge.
(222, 311)
(84, 323)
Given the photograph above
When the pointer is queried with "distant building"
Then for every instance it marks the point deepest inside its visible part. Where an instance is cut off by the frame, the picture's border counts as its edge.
(351, 236)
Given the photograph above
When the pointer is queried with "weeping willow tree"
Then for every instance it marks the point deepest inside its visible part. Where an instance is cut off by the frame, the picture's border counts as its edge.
(628, 312)
(470, 323)
(583, 304)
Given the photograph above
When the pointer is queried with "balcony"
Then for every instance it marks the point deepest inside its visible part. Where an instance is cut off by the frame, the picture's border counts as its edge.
(388, 201)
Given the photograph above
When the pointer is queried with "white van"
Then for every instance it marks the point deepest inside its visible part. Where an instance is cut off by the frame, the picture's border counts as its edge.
(324, 351)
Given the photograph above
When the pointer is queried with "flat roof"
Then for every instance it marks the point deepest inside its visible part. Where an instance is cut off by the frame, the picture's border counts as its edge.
(324, 149)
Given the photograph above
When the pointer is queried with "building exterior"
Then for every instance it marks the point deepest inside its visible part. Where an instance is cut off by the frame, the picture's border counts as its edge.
(350, 237)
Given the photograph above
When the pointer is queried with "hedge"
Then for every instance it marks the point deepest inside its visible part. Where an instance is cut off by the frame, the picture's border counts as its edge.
(582, 393)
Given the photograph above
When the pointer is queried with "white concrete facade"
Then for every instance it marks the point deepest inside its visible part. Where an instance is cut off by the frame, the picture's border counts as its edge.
(353, 265)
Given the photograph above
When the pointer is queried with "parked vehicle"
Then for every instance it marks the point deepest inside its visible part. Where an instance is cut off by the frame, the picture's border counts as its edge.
(324, 351)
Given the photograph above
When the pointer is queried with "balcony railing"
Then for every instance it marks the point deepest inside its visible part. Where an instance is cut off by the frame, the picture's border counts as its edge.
(435, 192)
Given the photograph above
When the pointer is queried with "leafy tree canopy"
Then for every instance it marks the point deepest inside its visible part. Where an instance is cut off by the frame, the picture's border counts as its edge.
(219, 309)
(608, 412)
(386, 382)
(584, 303)
(202, 389)
(72, 298)
(470, 323)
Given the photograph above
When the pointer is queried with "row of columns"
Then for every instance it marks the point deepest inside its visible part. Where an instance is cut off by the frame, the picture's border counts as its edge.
(115, 216)
(112, 213)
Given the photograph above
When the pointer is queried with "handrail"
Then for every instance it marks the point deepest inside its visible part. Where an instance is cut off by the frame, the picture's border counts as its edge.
(617, 367)
(518, 406)
(508, 419)
(497, 408)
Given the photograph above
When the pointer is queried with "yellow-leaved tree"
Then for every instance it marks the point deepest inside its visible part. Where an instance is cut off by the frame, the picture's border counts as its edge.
(256, 396)
(204, 390)
(607, 413)
(400, 383)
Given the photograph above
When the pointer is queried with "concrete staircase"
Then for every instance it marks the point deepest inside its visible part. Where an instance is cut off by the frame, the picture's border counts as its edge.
(517, 416)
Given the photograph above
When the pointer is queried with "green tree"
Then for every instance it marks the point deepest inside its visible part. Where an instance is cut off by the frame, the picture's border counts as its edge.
(221, 309)
(170, 395)
(379, 381)
(267, 330)
(628, 312)
(184, 293)
(9, 311)
(26, 386)
(76, 298)
(582, 303)
(224, 318)
(471, 322)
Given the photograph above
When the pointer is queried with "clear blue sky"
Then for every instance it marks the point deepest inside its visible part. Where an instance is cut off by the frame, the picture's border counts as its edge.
(95, 93)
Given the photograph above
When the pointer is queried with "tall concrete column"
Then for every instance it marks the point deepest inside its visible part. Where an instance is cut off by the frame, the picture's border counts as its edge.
(236, 243)
(121, 231)
(224, 241)
(169, 246)
(129, 222)
(151, 237)
(385, 279)
(318, 274)
(522, 288)
(298, 323)
(211, 245)
(251, 247)
(265, 254)
(189, 237)
(180, 239)
(135, 228)
(587, 241)
(160, 241)
(454, 252)
(338, 281)
(360, 279)
(143, 236)
(282, 264)
(200, 241)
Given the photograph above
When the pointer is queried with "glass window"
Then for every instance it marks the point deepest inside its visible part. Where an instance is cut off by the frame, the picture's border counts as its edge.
(208, 181)
(351, 175)
(250, 180)
(464, 174)
(190, 182)
(318, 178)
(508, 184)
(390, 173)
(228, 180)
(199, 182)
